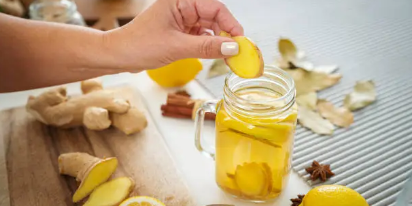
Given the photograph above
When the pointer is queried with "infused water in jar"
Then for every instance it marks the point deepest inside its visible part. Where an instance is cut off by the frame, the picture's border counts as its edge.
(255, 126)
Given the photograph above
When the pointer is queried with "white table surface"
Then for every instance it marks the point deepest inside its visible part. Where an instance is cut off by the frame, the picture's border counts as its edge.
(197, 170)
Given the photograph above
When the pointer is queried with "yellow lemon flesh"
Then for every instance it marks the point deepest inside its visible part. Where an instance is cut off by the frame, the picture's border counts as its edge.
(177, 73)
(141, 201)
(335, 195)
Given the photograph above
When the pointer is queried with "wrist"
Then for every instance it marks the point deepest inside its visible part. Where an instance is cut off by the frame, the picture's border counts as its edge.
(121, 54)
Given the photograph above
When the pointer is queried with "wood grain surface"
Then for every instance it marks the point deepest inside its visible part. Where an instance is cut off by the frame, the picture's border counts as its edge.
(28, 161)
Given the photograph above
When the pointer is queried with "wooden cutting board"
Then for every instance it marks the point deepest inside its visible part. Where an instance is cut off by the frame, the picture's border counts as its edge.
(29, 150)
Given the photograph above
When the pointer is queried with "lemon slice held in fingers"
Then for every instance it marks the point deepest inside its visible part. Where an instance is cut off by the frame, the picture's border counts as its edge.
(141, 201)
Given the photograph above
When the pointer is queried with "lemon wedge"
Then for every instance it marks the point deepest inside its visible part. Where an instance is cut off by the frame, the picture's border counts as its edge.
(141, 201)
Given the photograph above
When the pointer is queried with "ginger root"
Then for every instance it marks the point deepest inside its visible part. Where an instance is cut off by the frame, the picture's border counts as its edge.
(96, 118)
(111, 193)
(97, 109)
(248, 63)
(126, 122)
(89, 170)
(91, 85)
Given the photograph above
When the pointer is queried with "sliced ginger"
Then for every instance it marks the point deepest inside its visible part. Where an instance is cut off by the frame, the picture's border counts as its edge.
(111, 193)
(254, 179)
(248, 63)
(89, 170)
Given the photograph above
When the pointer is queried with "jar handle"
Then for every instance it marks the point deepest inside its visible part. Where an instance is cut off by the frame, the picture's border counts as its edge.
(207, 106)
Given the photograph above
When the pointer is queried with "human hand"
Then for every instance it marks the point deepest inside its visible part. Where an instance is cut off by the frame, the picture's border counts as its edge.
(170, 30)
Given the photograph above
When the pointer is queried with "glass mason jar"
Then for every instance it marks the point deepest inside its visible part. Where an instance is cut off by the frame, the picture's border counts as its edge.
(60, 11)
(255, 126)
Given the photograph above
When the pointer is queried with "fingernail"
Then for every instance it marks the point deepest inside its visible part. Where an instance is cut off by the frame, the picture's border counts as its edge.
(229, 48)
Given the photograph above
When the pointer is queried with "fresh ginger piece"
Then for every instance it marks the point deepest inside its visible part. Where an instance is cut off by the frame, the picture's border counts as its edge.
(89, 170)
(96, 118)
(252, 179)
(111, 193)
(55, 109)
(130, 122)
(248, 63)
(91, 85)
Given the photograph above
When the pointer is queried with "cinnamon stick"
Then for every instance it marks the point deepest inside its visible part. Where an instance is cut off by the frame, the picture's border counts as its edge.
(210, 116)
(178, 96)
(174, 115)
(180, 105)
(176, 101)
(182, 112)
(183, 93)
(178, 110)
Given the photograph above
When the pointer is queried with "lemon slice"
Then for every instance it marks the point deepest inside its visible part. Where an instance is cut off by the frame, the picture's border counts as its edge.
(141, 201)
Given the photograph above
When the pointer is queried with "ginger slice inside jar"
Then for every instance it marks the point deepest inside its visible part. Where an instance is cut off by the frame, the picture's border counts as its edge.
(253, 179)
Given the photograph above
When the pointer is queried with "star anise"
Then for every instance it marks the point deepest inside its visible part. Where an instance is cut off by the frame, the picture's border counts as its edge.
(297, 201)
(319, 171)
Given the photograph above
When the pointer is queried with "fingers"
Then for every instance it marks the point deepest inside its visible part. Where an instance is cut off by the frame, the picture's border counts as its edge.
(188, 11)
(207, 47)
(216, 12)
(195, 30)
(211, 14)
(210, 25)
(199, 30)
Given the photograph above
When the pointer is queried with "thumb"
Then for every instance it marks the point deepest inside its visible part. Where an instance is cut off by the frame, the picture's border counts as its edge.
(209, 47)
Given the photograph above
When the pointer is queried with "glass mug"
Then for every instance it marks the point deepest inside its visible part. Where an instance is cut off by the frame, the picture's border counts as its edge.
(255, 126)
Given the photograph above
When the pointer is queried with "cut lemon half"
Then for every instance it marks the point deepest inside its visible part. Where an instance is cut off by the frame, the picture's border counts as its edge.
(141, 201)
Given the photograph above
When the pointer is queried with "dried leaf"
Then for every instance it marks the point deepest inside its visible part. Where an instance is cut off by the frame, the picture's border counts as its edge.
(306, 65)
(306, 81)
(218, 68)
(308, 100)
(341, 116)
(292, 58)
(363, 94)
(287, 50)
(313, 121)
(328, 69)
(283, 64)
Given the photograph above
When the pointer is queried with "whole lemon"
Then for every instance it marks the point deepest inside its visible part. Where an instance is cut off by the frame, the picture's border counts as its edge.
(333, 195)
(177, 73)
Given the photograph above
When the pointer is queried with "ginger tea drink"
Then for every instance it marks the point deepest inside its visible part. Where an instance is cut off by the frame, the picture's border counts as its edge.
(255, 126)
(253, 153)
